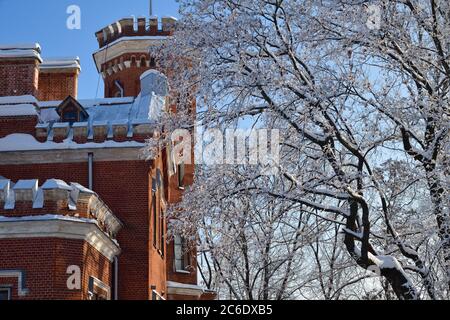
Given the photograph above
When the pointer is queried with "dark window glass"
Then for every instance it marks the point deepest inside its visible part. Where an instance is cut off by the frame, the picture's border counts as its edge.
(181, 168)
(155, 214)
(162, 236)
(71, 117)
(5, 294)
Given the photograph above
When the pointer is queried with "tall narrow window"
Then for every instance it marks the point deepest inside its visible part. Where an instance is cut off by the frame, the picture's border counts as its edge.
(162, 232)
(143, 62)
(152, 62)
(5, 294)
(182, 259)
(155, 221)
(155, 214)
(181, 173)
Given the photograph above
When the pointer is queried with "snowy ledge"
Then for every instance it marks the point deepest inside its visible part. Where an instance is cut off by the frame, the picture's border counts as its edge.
(26, 142)
(18, 110)
(47, 217)
(26, 99)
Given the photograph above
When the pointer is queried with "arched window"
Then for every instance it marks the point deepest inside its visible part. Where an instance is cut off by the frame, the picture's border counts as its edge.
(133, 61)
(143, 62)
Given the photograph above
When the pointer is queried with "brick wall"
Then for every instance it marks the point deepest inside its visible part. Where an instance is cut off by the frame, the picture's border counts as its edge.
(17, 124)
(45, 262)
(57, 86)
(19, 77)
(157, 257)
(124, 187)
(129, 79)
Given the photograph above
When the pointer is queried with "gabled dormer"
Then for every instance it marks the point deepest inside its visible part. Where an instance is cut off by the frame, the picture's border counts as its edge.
(70, 110)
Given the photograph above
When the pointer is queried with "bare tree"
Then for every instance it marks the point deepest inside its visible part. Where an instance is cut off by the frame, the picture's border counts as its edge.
(359, 90)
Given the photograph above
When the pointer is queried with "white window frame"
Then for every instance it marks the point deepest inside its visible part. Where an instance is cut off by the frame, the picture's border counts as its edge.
(180, 255)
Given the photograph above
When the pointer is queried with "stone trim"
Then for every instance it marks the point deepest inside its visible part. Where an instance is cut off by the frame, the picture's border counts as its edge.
(71, 156)
(21, 280)
(76, 230)
(183, 289)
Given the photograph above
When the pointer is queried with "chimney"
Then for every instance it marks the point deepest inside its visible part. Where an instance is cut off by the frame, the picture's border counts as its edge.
(19, 69)
(58, 78)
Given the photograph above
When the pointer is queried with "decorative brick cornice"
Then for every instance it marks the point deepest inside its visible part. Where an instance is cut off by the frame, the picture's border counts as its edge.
(52, 226)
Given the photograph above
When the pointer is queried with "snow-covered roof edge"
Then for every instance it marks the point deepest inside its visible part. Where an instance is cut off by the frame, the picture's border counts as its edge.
(61, 63)
(21, 51)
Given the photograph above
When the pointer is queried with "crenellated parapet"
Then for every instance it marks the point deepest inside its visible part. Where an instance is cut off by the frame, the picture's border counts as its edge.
(131, 27)
(98, 131)
(26, 198)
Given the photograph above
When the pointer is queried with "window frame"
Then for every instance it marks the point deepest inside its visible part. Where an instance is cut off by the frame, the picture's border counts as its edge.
(183, 262)
(161, 232)
(155, 219)
(95, 289)
(8, 290)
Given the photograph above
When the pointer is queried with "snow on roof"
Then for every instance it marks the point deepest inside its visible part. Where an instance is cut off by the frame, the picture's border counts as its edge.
(81, 188)
(61, 63)
(80, 124)
(47, 217)
(86, 103)
(154, 81)
(48, 115)
(4, 183)
(21, 51)
(34, 46)
(61, 125)
(56, 184)
(120, 122)
(179, 285)
(18, 110)
(43, 125)
(100, 123)
(143, 109)
(26, 142)
(170, 17)
(10, 100)
(26, 184)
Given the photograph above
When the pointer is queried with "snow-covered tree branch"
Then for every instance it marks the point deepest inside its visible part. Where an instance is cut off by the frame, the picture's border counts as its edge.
(362, 105)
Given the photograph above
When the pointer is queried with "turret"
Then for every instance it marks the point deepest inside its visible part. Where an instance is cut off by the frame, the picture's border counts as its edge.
(123, 52)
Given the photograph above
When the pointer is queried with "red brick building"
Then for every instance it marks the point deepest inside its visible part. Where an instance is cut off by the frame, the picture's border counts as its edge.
(82, 212)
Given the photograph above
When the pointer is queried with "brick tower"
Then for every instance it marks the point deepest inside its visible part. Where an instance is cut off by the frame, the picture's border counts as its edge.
(123, 52)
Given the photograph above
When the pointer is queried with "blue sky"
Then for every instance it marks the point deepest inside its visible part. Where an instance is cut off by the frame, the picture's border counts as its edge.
(44, 21)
